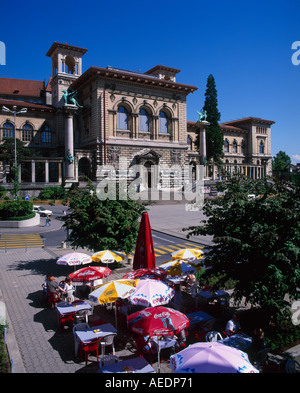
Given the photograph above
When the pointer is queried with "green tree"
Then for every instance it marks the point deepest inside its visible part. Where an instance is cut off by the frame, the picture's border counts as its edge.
(214, 136)
(101, 225)
(281, 161)
(256, 242)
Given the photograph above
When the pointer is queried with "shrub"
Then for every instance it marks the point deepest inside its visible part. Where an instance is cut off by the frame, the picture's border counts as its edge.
(55, 192)
(10, 209)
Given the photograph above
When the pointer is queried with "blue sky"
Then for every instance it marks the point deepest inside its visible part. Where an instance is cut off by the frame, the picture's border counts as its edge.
(246, 45)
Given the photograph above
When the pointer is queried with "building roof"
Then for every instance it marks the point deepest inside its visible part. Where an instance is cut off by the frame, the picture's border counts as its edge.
(129, 76)
(248, 120)
(162, 68)
(21, 87)
(65, 46)
(25, 104)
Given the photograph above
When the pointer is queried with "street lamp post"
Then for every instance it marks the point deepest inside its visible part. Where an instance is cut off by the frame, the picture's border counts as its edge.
(14, 112)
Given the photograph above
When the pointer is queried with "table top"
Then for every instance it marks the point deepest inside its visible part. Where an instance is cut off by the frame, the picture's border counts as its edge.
(238, 341)
(66, 308)
(199, 317)
(213, 294)
(100, 331)
(135, 365)
(165, 342)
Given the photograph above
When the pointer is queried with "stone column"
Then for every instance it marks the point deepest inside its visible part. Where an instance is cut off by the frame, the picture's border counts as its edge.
(46, 171)
(69, 110)
(201, 125)
(32, 171)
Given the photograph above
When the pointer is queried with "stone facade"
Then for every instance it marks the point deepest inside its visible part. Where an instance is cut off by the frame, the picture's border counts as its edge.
(119, 117)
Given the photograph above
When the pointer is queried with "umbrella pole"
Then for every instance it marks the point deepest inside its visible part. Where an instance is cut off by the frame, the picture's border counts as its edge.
(116, 317)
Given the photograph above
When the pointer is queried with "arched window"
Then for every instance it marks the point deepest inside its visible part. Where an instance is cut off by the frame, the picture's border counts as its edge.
(243, 148)
(27, 133)
(143, 120)
(189, 142)
(163, 123)
(226, 146)
(70, 65)
(8, 130)
(122, 118)
(46, 135)
(261, 147)
(234, 147)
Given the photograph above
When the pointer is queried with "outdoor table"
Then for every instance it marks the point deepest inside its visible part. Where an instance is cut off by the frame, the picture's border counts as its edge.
(201, 318)
(162, 343)
(134, 365)
(100, 331)
(64, 308)
(238, 341)
(208, 296)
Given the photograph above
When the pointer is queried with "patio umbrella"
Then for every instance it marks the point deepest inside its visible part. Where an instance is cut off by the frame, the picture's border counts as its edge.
(187, 253)
(74, 259)
(90, 273)
(144, 256)
(157, 321)
(155, 273)
(179, 267)
(111, 291)
(211, 357)
(150, 292)
(107, 256)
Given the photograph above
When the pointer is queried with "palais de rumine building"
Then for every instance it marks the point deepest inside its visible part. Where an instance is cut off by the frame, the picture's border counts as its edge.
(118, 114)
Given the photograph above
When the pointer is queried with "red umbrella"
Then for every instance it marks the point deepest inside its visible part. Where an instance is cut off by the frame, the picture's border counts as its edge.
(155, 274)
(90, 273)
(144, 256)
(157, 321)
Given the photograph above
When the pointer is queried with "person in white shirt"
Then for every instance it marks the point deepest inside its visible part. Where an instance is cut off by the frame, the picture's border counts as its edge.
(68, 290)
(233, 326)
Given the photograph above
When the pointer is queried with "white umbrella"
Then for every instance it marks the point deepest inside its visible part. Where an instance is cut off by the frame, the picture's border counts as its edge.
(74, 259)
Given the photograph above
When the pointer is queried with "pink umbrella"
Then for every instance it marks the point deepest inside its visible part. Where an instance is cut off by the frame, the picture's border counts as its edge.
(211, 357)
(90, 273)
(151, 293)
(156, 274)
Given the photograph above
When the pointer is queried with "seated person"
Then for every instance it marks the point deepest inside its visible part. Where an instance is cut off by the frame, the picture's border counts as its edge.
(258, 340)
(233, 326)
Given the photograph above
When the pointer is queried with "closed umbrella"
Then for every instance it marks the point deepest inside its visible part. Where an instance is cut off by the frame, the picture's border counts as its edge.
(211, 357)
(187, 253)
(74, 259)
(150, 292)
(144, 256)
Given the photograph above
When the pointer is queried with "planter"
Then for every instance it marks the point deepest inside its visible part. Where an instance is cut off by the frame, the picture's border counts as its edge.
(31, 222)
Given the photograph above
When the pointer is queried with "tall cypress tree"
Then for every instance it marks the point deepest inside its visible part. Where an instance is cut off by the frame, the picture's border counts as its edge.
(214, 136)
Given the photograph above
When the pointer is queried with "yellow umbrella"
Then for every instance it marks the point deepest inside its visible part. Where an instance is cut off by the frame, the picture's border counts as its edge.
(111, 291)
(179, 267)
(187, 253)
(107, 256)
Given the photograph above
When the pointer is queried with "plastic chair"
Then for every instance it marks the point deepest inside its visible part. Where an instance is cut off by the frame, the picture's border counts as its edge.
(213, 336)
(66, 320)
(77, 342)
(261, 358)
(107, 341)
(81, 316)
(92, 346)
(292, 366)
(52, 299)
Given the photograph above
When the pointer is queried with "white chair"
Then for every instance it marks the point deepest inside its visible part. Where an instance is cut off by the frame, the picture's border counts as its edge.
(213, 336)
(78, 326)
(81, 316)
(107, 341)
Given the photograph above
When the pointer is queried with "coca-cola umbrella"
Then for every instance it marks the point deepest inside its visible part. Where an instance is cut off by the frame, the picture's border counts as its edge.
(90, 273)
(144, 256)
(157, 321)
(156, 274)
